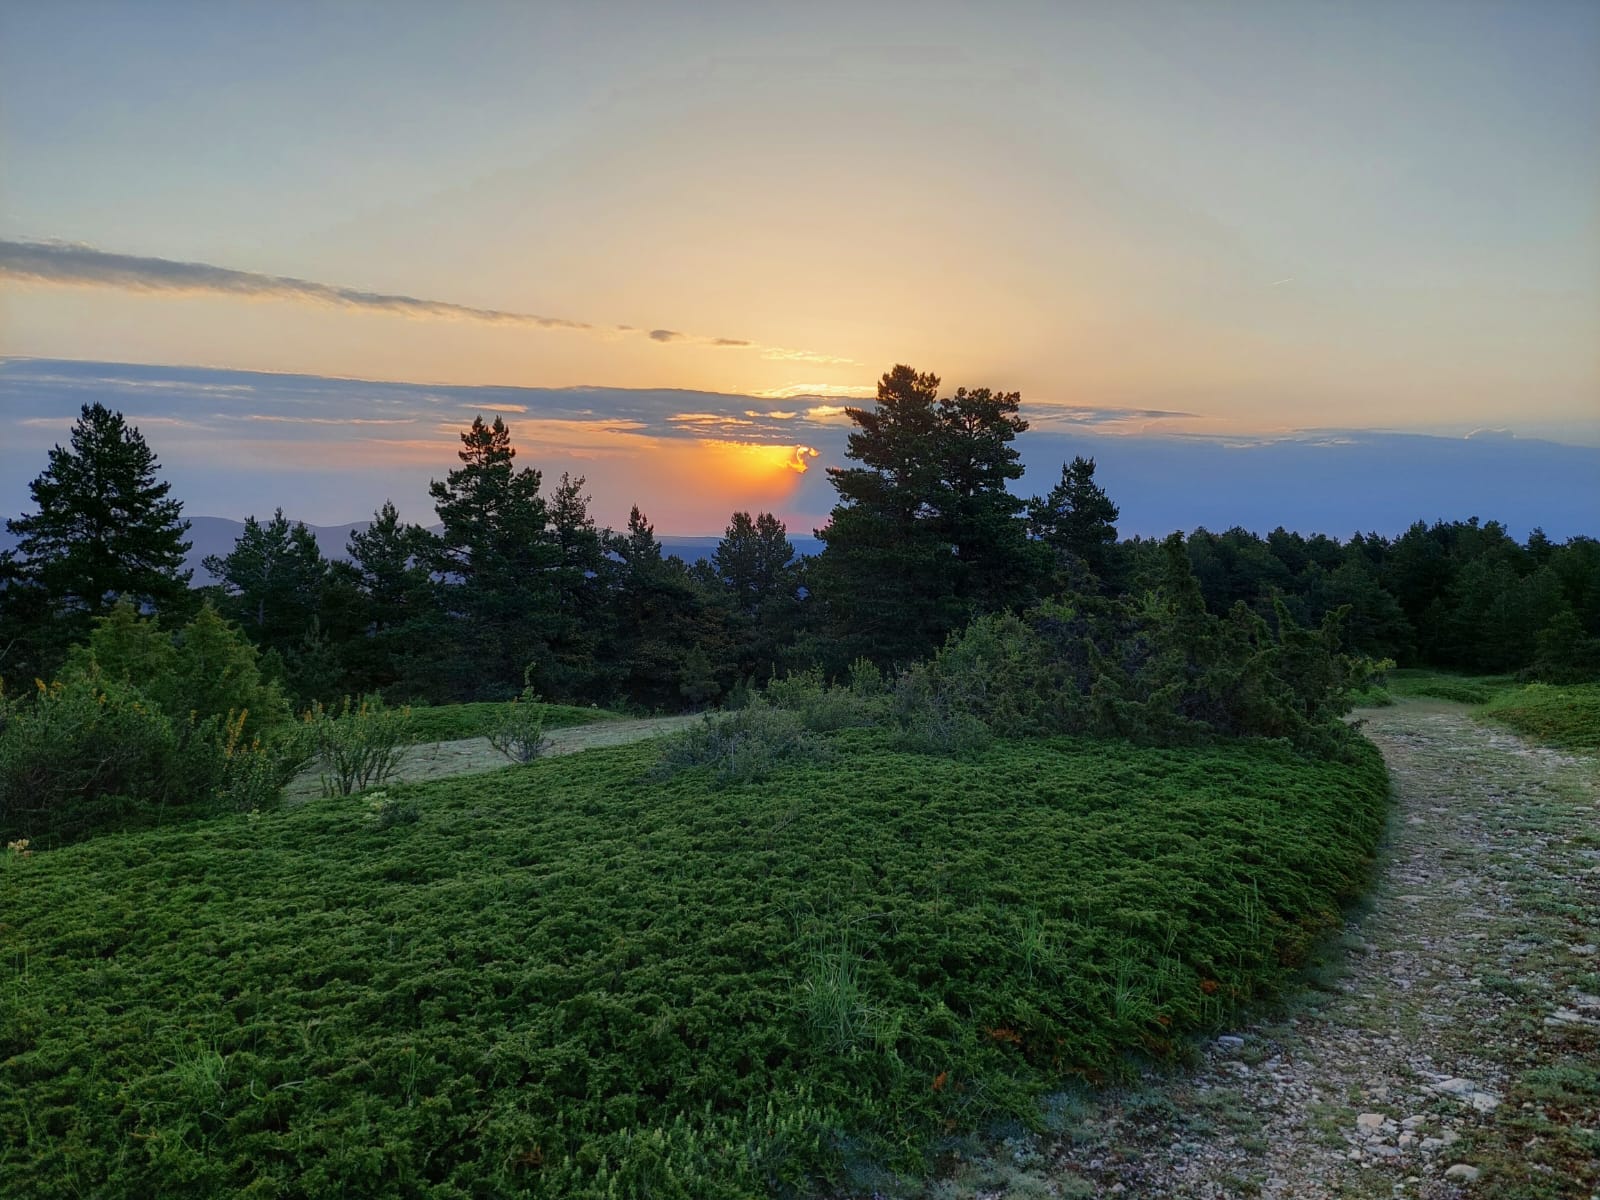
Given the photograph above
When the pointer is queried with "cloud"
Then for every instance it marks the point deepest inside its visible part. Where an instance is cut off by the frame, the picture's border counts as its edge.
(501, 408)
(795, 391)
(1053, 412)
(71, 264)
(84, 266)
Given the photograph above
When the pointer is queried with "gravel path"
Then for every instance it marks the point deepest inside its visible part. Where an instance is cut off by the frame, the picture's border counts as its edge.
(469, 756)
(1449, 1044)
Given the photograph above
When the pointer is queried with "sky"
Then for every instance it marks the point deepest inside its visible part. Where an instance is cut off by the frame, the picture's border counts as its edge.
(1211, 237)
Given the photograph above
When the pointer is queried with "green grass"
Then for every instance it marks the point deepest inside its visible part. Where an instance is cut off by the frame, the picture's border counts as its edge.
(1441, 685)
(1563, 716)
(452, 722)
(579, 979)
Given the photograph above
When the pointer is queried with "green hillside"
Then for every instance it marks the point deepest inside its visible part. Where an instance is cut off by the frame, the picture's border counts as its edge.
(589, 978)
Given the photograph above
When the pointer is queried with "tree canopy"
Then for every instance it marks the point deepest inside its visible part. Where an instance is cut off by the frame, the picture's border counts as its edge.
(105, 528)
(925, 533)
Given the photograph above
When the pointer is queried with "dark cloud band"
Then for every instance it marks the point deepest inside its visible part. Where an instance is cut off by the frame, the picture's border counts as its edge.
(73, 265)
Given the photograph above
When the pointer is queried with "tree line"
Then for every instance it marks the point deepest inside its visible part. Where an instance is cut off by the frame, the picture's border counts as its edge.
(518, 584)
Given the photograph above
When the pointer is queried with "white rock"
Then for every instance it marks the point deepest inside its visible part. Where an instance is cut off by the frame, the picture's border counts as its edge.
(1484, 1101)
(1414, 1122)
(1370, 1122)
(1462, 1173)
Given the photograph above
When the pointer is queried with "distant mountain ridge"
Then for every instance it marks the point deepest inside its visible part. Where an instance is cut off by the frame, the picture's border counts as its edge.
(217, 535)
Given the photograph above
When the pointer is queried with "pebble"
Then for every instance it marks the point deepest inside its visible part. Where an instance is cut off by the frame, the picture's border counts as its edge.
(1371, 1122)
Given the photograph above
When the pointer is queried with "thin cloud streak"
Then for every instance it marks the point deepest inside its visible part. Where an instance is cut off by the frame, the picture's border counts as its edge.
(70, 264)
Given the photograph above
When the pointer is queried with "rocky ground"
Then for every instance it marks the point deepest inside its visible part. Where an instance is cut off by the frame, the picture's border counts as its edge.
(1447, 1045)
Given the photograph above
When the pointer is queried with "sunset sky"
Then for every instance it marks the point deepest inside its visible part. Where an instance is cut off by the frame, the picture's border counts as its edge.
(673, 239)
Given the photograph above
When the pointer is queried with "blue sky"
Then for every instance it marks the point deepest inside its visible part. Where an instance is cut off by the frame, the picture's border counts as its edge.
(1227, 223)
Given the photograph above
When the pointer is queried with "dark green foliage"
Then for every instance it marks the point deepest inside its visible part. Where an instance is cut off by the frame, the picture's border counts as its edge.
(925, 534)
(569, 667)
(740, 746)
(401, 635)
(84, 753)
(206, 669)
(141, 722)
(666, 638)
(105, 529)
(275, 584)
(754, 567)
(572, 981)
(1078, 522)
(752, 561)
(498, 559)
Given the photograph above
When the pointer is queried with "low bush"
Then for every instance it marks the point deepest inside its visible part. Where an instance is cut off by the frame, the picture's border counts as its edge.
(358, 745)
(83, 753)
(519, 733)
(824, 709)
(739, 746)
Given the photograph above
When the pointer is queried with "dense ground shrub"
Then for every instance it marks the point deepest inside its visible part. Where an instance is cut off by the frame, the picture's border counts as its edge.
(577, 980)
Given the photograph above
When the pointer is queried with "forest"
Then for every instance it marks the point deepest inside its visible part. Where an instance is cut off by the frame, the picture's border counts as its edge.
(926, 537)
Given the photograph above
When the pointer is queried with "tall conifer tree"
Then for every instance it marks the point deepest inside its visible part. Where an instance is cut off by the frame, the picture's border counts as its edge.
(105, 528)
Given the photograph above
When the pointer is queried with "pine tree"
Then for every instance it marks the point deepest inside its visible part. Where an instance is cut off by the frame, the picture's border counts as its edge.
(106, 527)
(1077, 520)
(925, 533)
(273, 578)
(752, 560)
(498, 558)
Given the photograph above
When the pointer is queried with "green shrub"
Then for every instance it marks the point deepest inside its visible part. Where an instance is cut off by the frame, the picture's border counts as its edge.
(359, 745)
(82, 753)
(739, 746)
(823, 709)
(456, 722)
(931, 719)
(519, 733)
(387, 811)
